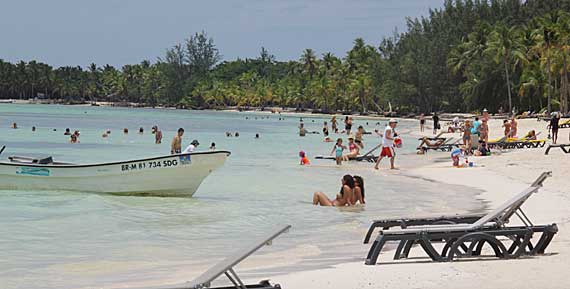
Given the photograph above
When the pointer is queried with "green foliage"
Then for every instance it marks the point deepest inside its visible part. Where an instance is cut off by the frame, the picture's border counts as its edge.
(469, 55)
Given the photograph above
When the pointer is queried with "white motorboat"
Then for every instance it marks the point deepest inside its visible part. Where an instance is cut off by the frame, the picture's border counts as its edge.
(173, 175)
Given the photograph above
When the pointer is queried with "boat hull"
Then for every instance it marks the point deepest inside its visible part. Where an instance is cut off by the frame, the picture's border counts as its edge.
(175, 175)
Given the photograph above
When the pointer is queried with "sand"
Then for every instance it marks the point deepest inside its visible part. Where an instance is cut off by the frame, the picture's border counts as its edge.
(500, 176)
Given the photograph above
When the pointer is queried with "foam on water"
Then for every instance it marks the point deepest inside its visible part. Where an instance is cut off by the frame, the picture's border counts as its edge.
(75, 240)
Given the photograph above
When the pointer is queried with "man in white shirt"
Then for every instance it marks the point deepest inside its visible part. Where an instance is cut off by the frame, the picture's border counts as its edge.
(191, 147)
(388, 144)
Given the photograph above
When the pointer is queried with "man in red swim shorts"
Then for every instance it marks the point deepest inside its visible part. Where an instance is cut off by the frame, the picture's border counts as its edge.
(388, 144)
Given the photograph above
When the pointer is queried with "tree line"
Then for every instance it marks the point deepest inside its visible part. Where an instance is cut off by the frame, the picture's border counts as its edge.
(468, 55)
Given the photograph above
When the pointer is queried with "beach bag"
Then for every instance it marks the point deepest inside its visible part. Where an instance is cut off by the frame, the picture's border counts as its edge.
(398, 142)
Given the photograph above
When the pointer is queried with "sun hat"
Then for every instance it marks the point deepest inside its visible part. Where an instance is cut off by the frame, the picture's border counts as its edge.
(393, 120)
(350, 136)
(195, 142)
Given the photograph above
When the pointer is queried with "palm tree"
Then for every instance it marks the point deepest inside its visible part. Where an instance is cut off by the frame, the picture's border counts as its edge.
(309, 61)
(506, 47)
(545, 40)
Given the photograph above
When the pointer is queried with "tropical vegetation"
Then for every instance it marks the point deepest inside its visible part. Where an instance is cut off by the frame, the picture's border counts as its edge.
(469, 55)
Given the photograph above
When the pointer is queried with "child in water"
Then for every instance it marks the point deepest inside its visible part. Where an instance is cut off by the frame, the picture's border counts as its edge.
(338, 150)
(304, 160)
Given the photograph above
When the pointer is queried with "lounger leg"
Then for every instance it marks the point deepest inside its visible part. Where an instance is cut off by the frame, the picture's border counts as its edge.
(429, 249)
(369, 233)
(401, 245)
(446, 247)
(375, 249)
(522, 246)
(408, 247)
(516, 243)
(547, 150)
(545, 239)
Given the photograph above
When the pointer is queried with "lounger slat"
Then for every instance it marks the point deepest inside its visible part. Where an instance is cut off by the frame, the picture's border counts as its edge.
(468, 239)
(221, 267)
(226, 267)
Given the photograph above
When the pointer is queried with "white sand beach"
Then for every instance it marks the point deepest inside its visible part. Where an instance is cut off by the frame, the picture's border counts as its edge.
(499, 177)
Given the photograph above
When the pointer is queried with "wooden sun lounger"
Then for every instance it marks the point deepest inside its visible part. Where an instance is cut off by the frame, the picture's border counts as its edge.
(468, 239)
(226, 267)
(564, 147)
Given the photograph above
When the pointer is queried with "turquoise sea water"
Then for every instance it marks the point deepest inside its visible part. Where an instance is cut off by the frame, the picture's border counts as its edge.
(63, 239)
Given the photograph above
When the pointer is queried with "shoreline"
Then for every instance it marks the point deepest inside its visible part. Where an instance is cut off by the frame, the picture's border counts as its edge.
(288, 111)
(498, 178)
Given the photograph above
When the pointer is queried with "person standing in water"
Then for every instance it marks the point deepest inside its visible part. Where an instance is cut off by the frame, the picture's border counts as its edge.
(348, 124)
(302, 130)
(358, 136)
(337, 150)
(176, 145)
(388, 144)
(334, 126)
(157, 134)
(325, 129)
(422, 122)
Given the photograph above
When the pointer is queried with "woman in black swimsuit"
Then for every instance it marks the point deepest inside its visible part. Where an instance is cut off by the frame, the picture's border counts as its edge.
(554, 127)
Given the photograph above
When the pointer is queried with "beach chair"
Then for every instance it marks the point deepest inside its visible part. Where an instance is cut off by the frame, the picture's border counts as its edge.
(386, 224)
(496, 143)
(564, 147)
(448, 145)
(564, 124)
(226, 267)
(437, 137)
(466, 240)
(516, 143)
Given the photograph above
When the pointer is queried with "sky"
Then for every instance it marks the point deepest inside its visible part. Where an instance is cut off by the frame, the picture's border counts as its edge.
(118, 32)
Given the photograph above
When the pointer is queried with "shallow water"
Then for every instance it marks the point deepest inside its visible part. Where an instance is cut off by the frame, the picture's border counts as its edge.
(80, 240)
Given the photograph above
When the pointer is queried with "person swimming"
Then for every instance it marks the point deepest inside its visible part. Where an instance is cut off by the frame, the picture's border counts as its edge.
(344, 198)
(141, 130)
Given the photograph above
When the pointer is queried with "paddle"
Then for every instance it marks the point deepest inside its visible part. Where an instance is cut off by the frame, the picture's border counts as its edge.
(1, 150)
